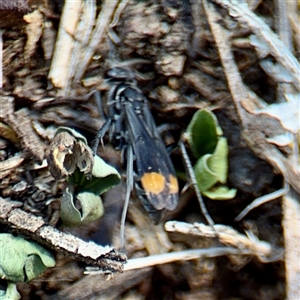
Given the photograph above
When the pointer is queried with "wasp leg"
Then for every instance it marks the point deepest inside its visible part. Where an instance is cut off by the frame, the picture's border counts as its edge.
(100, 134)
(193, 180)
(129, 187)
(99, 103)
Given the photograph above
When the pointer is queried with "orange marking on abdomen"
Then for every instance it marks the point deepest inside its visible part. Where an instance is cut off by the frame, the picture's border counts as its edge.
(173, 185)
(153, 182)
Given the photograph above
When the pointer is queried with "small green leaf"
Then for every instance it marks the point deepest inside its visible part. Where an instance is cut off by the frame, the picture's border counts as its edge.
(104, 177)
(207, 144)
(220, 193)
(203, 133)
(107, 176)
(11, 292)
(205, 177)
(22, 260)
(102, 169)
(211, 169)
(81, 203)
(90, 208)
(32, 264)
(218, 161)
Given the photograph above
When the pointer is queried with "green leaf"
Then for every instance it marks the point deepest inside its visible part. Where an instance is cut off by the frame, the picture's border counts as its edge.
(22, 260)
(207, 144)
(218, 161)
(205, 177)
(90, 208)
(11, 292)
(203, 133)
(104, 177)
(107, 176)
(211, 169)
(220, 193)
(81, 203)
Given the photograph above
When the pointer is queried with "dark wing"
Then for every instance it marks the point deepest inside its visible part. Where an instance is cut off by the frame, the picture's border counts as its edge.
(154, 167)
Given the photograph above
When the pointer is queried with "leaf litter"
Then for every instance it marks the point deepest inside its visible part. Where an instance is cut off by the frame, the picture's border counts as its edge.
(205, 57)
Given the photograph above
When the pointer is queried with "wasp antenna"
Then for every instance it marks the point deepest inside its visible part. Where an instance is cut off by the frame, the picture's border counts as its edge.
(129, 188)
(144, 77)
(128, 63)
(192, 177)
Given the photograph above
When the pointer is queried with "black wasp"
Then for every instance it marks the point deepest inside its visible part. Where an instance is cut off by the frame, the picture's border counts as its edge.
(133, 130)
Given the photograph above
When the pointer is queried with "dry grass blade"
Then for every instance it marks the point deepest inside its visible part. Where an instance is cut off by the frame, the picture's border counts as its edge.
(192, 177)
(103, 20)
(83, 33)
(261, 200)
(154, 260)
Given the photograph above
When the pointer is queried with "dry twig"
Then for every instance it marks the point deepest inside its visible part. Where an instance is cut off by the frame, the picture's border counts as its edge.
(35, 228)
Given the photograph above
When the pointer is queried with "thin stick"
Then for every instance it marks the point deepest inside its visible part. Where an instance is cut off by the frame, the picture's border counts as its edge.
(263, 199)
(64, 45)
(192, 177)
(291, 225)
(154, 260)
(227, 236)
(112, 35)
(103, 20)
(129, 188)
(83, 32)
(35, 228)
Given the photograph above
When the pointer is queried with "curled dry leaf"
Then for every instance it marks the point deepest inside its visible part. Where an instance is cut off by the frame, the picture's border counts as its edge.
(8, 133)
(66, 153)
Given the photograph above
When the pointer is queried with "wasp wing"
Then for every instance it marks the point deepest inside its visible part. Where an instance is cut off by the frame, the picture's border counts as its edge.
(154, 167)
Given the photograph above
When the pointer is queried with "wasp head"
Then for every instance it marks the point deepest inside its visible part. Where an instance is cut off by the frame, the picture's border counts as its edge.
(120, 74)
